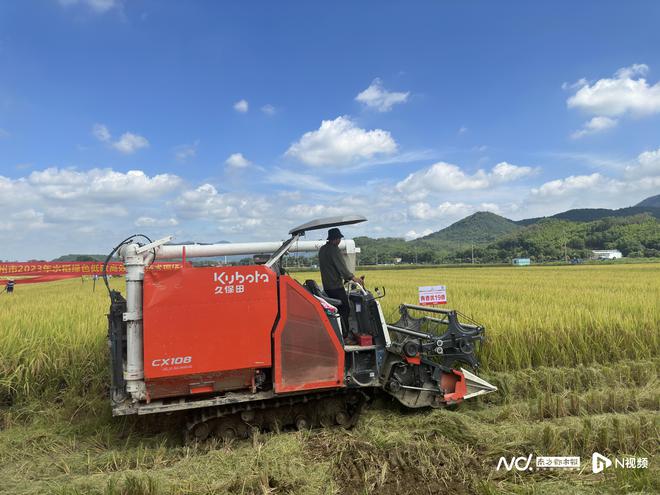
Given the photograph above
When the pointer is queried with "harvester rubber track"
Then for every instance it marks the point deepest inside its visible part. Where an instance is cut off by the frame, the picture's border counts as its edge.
(302, 412)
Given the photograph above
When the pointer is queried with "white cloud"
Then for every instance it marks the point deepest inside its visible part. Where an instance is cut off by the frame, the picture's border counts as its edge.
(129, 143)
(91, 209)
(204, 201)
(186, 151)
(269, 109)
(632, 71)
(572, 184)
(378, 98)
(3, 134)
(588, 191)
(411, 234)
(100, 184)
(298, 180)
(462, 130)
(341, 143)
(231, 213)
(237, 160)
(241, 106)
(443, 177)
(309, 211)
(578, 84)
(640, 178)
(626, 93)
(425, 211)
(66, 205)
(647, 165)
(594, 126)
(98, 6)
(505, 172)
(101, 133)
(155, 222)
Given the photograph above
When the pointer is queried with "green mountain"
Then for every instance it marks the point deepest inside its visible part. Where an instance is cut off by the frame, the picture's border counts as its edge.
(554, 239)
(592, 214)
(653, 201)
(572, 234)
(479, 228)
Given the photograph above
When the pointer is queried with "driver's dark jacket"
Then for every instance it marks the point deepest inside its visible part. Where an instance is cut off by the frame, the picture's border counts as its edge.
(333, 267)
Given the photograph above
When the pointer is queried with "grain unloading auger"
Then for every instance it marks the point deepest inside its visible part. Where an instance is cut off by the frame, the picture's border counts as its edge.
(240, 347)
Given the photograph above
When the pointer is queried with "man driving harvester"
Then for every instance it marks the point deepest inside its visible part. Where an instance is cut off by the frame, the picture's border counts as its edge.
(334, 273)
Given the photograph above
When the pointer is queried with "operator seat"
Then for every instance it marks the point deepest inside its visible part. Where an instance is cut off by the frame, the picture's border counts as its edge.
(315, 290)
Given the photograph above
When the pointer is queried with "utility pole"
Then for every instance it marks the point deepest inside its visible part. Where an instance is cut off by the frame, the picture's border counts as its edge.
(473, 252)
(415, 255)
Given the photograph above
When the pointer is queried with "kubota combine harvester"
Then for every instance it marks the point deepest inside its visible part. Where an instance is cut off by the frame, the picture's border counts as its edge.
(248, 346)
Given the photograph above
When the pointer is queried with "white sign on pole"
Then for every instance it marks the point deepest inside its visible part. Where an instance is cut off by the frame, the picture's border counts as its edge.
(432, 294)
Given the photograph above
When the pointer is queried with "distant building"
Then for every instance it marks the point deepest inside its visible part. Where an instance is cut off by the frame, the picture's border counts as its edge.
(606, 254)
(521, 261)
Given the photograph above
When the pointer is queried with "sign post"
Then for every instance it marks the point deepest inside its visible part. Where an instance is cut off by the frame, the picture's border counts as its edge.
(431, 295)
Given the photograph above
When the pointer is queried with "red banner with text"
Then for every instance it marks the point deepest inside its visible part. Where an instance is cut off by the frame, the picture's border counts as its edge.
(45, 271)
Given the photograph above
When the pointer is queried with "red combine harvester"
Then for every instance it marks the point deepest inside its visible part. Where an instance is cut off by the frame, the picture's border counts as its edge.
(240, 347)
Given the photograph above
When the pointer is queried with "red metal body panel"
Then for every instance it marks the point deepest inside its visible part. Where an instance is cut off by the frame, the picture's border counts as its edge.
(457, 381)
(308, 353)
(207, 321)
(221, 381)
(414, 360)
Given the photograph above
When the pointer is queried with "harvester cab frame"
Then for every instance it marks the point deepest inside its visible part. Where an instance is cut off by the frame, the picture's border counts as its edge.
(318, 224)
(243, 347)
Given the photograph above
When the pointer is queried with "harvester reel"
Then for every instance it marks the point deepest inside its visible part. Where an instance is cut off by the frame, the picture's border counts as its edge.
(455, 344)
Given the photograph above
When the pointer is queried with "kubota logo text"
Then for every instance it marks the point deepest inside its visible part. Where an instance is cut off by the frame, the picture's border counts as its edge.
(224, 278)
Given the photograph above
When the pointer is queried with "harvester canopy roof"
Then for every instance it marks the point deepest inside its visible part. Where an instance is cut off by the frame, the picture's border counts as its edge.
(323, 223)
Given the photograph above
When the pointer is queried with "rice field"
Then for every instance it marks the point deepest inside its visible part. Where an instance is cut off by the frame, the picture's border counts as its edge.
(573, 349)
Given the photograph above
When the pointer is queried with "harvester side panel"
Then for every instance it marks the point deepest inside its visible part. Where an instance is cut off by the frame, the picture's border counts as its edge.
(202, 321)
(308, 354)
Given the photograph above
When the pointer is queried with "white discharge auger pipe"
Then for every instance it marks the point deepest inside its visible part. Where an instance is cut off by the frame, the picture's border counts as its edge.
(208, 250)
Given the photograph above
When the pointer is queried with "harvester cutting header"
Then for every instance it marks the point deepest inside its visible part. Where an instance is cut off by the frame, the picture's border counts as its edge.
(248, 346)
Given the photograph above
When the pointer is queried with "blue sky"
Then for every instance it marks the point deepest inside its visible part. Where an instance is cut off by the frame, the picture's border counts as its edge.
(237, 121)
